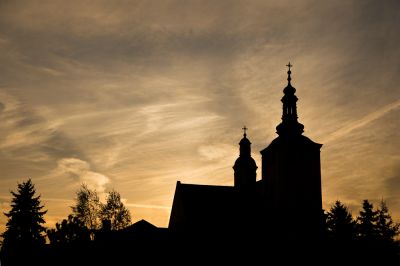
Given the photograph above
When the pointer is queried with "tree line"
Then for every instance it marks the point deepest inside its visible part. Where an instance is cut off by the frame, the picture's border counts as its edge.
(373, 229)
(25, 233)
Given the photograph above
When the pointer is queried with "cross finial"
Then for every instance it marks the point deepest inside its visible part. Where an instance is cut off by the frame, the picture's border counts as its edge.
(244, 130)
(289, 66)
(289, 72)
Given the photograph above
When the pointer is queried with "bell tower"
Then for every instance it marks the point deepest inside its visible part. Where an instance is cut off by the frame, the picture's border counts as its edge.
(245, 167)
(289, 124)
(291, 174)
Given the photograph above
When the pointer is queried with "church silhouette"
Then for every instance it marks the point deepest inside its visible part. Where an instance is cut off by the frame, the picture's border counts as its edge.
(277, 216)
(290, 189)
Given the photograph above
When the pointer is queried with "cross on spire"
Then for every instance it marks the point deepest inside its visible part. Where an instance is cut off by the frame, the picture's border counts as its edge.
(289, 72)
(244, 130)
(289, 65)
(289, 123)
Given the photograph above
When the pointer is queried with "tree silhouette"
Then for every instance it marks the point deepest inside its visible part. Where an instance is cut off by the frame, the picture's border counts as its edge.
(24, 230)
(366, 223)
(87, 207)
(69, 231)
(340, 223)
(115, 211)
(386, 229)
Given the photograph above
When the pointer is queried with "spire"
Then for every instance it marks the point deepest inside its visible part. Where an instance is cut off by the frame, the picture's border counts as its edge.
(244, 131)
(245, 144)
(245, 167)
(289, 125)
(289, 72)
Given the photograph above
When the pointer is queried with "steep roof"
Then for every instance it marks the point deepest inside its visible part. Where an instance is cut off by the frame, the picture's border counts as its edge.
(141, 225)
(212, 207)
(295, 141)
(203, 205)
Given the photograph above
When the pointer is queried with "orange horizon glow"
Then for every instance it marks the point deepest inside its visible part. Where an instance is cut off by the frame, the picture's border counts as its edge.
(135, 96)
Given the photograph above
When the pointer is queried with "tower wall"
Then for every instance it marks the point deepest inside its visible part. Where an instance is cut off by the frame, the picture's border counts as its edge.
(291, 174)
(245, 167)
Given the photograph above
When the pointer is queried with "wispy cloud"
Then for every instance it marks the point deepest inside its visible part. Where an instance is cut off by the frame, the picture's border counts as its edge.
(135, 96)
(81, 171)
(148, 206)
(362, 122)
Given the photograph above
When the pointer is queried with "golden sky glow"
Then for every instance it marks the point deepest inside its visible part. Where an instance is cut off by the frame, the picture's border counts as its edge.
(135, 95)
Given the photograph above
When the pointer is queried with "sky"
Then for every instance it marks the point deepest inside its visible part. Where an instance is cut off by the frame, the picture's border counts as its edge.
(136, 95)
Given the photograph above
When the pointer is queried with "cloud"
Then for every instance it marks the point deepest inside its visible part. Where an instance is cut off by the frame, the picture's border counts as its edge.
(26, 133)
(136, 95)
(81, 172)
(148, 206)
(215, 152)
(362, 122)
(72, 166)
(392, 186)
(393, 182)
(4, 208)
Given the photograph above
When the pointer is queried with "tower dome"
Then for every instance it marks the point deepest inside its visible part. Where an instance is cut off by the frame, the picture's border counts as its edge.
(245, 167)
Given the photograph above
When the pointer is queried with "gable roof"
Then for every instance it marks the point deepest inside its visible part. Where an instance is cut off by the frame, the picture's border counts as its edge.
(141, 225)
(203, 205)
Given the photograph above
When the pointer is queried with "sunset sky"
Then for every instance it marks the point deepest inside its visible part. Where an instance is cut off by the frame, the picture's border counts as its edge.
(135, 95)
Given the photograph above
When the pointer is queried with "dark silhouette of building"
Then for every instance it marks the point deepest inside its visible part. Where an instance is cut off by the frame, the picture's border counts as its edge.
(278, 218)
(200, 208)
(245, 167)
(290, 189)
(291, 175)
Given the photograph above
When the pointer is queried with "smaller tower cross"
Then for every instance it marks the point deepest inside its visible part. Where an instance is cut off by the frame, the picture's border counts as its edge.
(245, 167)
(244, 130)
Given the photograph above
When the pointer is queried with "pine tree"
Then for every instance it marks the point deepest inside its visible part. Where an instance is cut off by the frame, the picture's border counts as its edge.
(115, 211)
(366, 223)
(24, 226)
(386, 229)
(340, 223)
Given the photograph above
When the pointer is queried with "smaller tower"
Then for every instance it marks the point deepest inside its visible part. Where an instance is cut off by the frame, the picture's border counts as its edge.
(245, 167)
(289, 125)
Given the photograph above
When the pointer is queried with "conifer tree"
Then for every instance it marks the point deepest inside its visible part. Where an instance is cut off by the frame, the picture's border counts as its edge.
(24, 230)
(340, 223)
(386, 229)
(366, 223)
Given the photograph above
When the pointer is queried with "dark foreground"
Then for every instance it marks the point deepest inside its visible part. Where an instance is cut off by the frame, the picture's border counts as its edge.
(198, 249)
